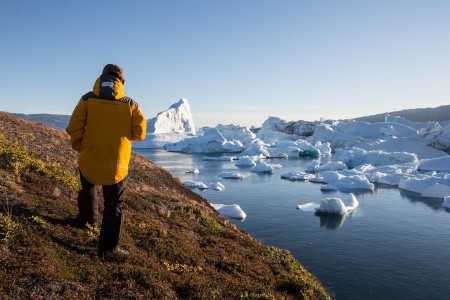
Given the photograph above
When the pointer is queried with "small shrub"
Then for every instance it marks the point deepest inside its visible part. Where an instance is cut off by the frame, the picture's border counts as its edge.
(17, 158)
(182, 268)
(8, 228)
(92, 233)
(38, 220)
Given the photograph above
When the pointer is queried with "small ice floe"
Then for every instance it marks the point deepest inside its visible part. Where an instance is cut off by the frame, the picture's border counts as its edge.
(337, 205)
(233, 211)
(436, 190)
(232, 175)
(312, 166)
(311, 206)
(350, 182)
(435, 185)
(195, 184)
(219, 158)
(297, 175)
(193, 171)
(216, 186)
(262, 168)
(245, 161)
(446, 202)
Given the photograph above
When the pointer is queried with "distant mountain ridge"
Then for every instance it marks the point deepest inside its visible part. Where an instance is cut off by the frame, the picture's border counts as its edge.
(55, 121)
(440, 113)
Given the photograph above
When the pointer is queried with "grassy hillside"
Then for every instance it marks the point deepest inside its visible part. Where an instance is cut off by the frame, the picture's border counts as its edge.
(180, 247)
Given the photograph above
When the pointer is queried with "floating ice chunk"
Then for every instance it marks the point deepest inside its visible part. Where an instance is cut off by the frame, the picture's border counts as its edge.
(357, 156)
(276, 166)
(232, 211)
(332, 166)
(262, 167)
(232, 175)
(235, 132)
(297, 175)
(446, 202)
(329, 187)
(220, 158)
(338, 205)
(256, 149)
(211, 141)
(389, 179)
(312, 166)
(311, 206)
(216, 186)
(435, 164)
(324, 148)
(245, 161)
(195, 184)
(159, 141)
(419, 183)
(350, 182)
(193, 171)
(318, 179)
(332, 206)
(436, 190)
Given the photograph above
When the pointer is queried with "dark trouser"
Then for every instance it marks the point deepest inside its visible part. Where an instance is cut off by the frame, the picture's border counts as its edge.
(111, 229)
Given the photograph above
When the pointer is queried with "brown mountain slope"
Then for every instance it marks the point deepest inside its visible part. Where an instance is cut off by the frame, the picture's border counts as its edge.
(180, 248)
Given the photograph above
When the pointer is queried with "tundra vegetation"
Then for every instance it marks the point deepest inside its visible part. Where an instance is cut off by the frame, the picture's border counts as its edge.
(180, 247)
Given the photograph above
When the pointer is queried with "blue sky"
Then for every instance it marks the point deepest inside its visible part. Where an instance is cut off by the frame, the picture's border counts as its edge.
(237, 62)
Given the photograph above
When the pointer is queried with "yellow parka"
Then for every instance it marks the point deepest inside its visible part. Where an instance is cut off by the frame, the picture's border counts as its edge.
(101, 128)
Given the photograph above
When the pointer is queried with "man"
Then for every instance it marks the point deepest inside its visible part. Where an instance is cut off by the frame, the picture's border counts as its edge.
(101, 129)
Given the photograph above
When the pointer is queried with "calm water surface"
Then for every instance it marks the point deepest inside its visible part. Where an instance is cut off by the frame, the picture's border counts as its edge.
(396, 245)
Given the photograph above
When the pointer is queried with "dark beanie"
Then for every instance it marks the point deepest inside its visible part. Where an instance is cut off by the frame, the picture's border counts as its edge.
(114, 70)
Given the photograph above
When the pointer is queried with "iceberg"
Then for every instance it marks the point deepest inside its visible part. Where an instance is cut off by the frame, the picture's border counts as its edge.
(275, 129)
(159, 141)
(420, 184)
(219, 158)
(262, 168)
(176, 119)
(446, 202)
(195, 184)
(337, 205)
(233, 210)
(436, 190)
(245, 161)
(217, 186)
(357, 156)
(297, 175)
(212, 141)
(441, 164)
(345, 182)
(232, 175)
(233, 132)
(310, 206)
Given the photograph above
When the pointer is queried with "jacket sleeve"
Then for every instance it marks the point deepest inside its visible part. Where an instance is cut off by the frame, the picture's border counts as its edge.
(77, 125)
(139, 124)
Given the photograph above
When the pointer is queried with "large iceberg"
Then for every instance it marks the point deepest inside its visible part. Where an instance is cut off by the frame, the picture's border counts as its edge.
(357, 156)
(212, 141)
(239, 133)
(176, 119)
(275, 129)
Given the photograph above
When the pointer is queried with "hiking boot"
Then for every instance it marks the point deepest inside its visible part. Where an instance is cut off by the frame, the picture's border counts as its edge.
(118, 254)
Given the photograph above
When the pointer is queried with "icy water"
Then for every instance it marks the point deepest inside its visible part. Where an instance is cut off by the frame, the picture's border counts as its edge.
(396, 245)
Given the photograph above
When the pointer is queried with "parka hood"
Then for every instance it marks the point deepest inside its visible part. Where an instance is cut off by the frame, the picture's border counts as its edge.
(108, 87)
